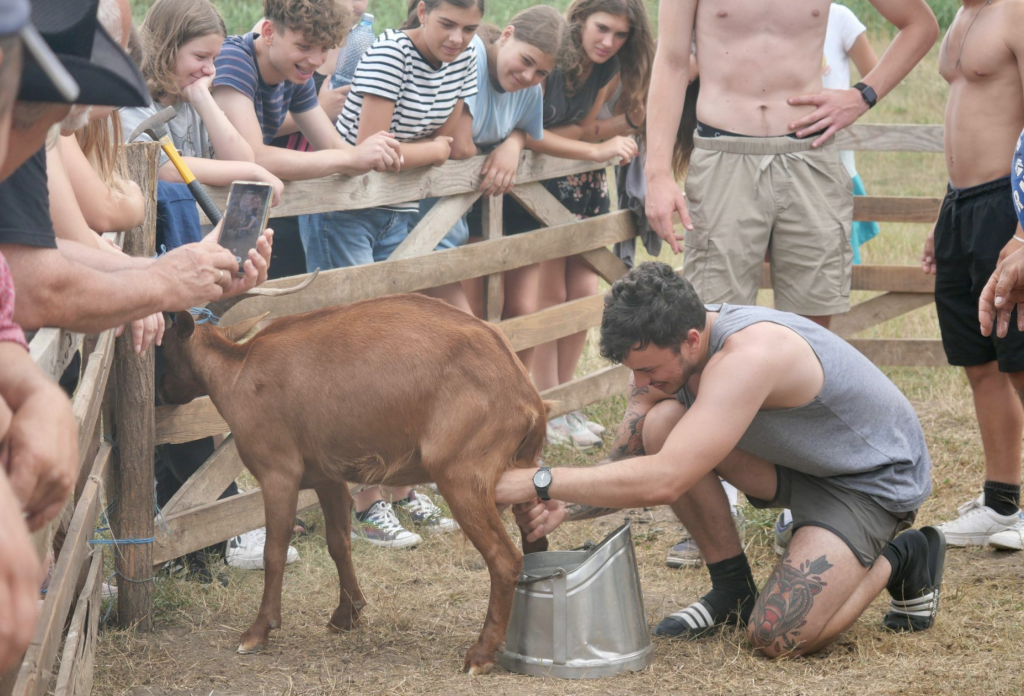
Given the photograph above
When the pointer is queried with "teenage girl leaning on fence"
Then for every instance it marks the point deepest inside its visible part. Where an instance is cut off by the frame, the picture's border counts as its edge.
(610, 43)
(182, 38)
(508, 107)
(411, 82)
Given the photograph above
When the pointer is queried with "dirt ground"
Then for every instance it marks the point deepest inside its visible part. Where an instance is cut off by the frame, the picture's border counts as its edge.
(427, 604)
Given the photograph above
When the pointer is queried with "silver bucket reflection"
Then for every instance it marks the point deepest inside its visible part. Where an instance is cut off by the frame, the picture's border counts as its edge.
(579, 614)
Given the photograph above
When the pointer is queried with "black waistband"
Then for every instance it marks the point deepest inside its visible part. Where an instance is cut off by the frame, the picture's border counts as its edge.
(706, 131)
(1000, 185)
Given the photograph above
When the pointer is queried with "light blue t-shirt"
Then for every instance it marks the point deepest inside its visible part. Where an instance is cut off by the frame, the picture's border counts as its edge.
(496, 114)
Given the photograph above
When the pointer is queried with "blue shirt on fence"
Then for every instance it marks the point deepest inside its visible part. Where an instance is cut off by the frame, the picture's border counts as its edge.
(237, 68)
(496, 114)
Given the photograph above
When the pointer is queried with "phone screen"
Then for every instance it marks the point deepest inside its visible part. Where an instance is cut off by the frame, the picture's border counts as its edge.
(245, 218)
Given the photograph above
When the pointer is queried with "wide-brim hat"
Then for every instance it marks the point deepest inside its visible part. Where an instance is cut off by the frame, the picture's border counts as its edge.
(105, 74)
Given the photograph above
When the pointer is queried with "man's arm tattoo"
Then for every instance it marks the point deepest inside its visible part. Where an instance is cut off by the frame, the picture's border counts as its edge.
(633, 423)
(785, 602)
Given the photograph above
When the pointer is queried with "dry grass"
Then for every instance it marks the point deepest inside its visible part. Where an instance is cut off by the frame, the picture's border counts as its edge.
(426, 605)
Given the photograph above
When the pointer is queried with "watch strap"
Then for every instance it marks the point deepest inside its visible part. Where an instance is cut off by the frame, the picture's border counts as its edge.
(542, 491)
(868, 93)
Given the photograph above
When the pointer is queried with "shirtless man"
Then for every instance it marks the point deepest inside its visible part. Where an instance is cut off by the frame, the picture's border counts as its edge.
(982, 59)
(791, 415)
(765, 173)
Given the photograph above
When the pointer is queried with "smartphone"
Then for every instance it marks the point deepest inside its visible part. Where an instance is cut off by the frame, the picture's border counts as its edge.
(245, 218)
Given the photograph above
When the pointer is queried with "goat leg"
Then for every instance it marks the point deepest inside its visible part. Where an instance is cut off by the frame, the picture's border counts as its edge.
(478, 517)
(336, 502)
(280, 499)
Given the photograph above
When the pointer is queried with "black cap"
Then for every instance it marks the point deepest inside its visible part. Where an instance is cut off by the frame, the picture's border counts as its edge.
(14, 19)
(104, 72)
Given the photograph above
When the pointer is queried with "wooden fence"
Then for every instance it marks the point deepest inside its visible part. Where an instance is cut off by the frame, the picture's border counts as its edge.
(117, 450)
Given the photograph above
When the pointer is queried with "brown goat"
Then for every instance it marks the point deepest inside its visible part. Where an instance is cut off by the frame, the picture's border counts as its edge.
(399, 390)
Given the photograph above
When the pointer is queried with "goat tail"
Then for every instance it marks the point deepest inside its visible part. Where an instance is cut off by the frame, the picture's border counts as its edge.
(532, 445)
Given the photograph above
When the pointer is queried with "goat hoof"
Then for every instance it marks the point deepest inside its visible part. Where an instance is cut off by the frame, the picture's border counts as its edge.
(251, 644)
(478, 661)
(478, 670)
(343, 620)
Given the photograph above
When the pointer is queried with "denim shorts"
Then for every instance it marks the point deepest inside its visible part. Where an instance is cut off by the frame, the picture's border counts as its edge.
(353, 237)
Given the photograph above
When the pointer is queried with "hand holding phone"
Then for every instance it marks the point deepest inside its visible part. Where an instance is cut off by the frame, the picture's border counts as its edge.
(245, 218)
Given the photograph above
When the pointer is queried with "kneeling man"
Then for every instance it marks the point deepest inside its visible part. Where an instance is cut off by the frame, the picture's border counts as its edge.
(791, 415)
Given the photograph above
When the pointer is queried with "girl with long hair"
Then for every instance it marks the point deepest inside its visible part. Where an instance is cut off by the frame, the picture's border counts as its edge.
(610, 49)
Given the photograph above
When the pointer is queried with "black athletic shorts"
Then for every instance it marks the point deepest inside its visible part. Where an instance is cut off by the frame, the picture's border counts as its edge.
(974, 225)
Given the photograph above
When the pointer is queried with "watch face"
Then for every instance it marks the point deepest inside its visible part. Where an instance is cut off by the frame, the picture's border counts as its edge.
(542, 479)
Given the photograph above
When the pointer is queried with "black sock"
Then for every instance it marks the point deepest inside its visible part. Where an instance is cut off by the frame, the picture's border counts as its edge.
(733, 590)
(908, 556)
(1004, 498)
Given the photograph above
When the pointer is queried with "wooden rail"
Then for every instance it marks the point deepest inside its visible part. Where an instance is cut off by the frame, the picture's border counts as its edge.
(195, 518)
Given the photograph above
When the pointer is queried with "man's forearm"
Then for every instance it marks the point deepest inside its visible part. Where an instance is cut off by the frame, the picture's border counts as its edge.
(909, 46)
(669, 78)
(100, 259)
(629, 443)
(53, 291)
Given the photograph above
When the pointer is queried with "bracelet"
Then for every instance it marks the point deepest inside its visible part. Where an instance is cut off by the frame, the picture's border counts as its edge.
(1018, 239)
(636, 127)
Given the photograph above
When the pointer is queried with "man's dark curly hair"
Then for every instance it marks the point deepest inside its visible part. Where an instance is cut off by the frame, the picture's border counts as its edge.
(650, 304)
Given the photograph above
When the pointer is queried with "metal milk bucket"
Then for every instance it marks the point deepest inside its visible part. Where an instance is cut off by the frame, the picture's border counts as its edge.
(579, 614)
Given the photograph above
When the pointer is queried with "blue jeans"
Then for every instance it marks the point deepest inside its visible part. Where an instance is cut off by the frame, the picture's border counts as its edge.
(353, 237)
(458, 235)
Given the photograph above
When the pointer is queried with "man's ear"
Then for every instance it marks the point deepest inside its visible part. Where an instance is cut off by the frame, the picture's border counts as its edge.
(268, 32)
(184, 324)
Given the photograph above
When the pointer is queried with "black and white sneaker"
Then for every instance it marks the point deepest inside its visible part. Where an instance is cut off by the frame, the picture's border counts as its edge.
(698, 620)
(915, 599)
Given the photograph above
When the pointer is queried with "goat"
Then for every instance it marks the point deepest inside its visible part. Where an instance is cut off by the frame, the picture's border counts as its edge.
(399, 390)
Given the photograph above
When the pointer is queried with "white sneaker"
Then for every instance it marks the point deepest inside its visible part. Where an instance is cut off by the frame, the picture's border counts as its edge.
(976, 523)
(570, 430)
(424, 512)
(382, 528)
(1011, 539)
(245, 551)
(592, 426)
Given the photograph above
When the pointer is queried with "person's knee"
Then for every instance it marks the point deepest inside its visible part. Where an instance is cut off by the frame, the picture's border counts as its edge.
(658, 423)
(984, 376)
(774, 647)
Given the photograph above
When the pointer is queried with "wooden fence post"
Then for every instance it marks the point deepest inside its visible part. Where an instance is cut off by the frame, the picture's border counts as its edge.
(135, 428)
(492, 223)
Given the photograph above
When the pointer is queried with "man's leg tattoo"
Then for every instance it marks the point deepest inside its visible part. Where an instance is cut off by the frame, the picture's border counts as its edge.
(786, 601)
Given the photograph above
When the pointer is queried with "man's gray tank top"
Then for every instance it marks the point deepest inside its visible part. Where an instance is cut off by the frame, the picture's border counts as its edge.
(860, 431)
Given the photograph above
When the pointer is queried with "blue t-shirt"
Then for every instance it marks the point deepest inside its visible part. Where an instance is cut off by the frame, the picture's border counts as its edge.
(237, 68)
(1017, 177)
(496, 114)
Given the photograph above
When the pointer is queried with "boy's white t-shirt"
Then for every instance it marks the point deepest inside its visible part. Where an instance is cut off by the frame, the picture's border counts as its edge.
(496, 114)
(843, 29)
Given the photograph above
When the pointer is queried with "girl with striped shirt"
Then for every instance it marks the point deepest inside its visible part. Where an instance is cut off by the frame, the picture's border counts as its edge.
(412, 83)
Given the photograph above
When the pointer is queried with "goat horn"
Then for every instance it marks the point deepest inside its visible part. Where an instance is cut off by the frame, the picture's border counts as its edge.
(277, 292)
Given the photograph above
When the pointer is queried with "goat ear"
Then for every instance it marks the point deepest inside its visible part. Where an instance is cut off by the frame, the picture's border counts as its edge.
(236, 332)
(184, 324)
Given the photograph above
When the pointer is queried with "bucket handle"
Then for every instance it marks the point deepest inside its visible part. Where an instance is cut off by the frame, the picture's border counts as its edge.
(527, 579)
(559, 619)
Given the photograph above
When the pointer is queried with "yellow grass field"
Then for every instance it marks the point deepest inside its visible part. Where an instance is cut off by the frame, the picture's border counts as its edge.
(426, 604)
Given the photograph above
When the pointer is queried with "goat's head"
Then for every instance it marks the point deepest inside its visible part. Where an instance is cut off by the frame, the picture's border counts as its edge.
(185, 346)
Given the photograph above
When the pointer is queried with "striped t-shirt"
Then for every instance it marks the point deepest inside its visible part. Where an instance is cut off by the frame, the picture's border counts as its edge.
(424, 96)
(237, 68)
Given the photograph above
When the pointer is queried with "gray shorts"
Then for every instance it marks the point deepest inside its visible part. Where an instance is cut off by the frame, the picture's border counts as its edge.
(856, 518)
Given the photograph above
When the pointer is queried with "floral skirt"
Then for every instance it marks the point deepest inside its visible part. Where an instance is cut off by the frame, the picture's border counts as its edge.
(585, 195)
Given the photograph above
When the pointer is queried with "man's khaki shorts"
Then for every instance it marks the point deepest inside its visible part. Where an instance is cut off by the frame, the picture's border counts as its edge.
(747, 196)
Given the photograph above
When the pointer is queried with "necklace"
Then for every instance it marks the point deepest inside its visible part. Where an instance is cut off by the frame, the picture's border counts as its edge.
(960, 55)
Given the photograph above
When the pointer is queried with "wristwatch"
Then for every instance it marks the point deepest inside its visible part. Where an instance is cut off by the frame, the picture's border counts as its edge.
(541, 482)
(866, 91)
